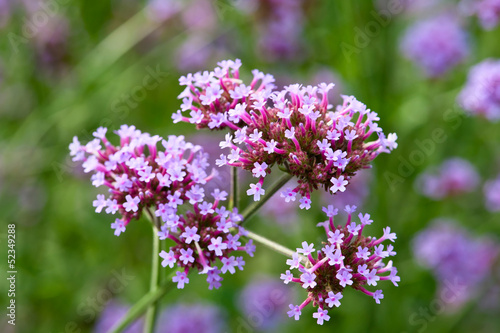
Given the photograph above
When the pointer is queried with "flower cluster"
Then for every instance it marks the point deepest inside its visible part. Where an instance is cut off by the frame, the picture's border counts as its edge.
(455, 176)
(346, 259)
(436, 45)
(140, 177)
(492, 194)
(203, 235)
(481, 94)
(455, 258)
(295, 128)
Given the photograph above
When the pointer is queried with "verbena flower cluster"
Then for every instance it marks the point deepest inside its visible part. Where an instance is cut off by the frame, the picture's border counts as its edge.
(436, 45)
(459, 261)
(346, 259)
(492, 194)
(455, 176)
(481, 94)
(295, 128)
(203, 235)
(138, 176)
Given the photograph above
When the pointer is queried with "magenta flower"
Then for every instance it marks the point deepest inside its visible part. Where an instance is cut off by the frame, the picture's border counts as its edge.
(295, 128)
(436, 45)
(481, 93)
(454, 177)
(347, 259)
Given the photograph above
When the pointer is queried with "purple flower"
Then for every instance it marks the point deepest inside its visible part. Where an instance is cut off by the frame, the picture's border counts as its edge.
(454, 177)
(492, 194)
(481, 93)
(356, 193)
(487, 11)
(340, 264)
(181, 279)
(436, 45)
(321, 315)
(455, 257)
(279, 25)
(200, 318)
(268, 297)
(112, 314)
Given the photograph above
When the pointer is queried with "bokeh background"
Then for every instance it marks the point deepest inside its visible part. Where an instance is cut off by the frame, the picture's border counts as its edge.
(68, 67)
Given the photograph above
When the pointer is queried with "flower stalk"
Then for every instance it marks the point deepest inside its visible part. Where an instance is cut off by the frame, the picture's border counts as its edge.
(141, 306)
(153, 286)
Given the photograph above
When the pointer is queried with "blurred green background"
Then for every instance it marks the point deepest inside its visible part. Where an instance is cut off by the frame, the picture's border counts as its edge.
(76, 71)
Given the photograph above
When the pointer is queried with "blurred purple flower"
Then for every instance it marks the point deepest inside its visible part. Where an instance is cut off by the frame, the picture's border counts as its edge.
(279, 27)
(162, 10)
(264, 302)
(487, 11)
(4, 12)
(199, 15)
(111, 315)
(198, 50)
(355, 194)
(492, 194)
(436, 45)
(454, 177)
(481, 94)
(284, 215)
(455, 258)
(199, 318)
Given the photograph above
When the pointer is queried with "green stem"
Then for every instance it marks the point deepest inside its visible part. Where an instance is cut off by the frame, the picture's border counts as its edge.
(254, 207)
(274, 246)
(143, 303)
(153, 286)
(233, 196)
